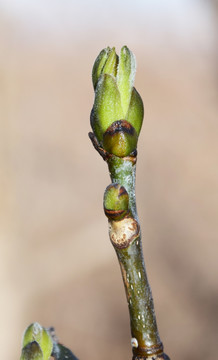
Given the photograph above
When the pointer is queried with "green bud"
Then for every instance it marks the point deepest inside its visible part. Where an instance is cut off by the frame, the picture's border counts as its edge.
(115, 96)
(120, 138)
(116, 202)
(32, 351)
(36, 333)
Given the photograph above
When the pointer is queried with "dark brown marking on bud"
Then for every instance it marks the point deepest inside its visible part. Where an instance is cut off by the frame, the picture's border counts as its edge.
(115, 214)
(106, 155)
(122, 191)
(120, 125)
(113, 185)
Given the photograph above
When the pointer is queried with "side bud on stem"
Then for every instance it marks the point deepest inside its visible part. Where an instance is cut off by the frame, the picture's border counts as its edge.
(116, 202)
(37, 343)
(41, 343)
(123, 228)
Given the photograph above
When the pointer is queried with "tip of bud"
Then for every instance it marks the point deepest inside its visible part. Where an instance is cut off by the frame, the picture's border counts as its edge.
(36, 333)
(126, 76)
(106, 63)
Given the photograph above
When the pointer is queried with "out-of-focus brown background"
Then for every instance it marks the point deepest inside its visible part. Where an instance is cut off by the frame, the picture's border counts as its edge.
(57, 266)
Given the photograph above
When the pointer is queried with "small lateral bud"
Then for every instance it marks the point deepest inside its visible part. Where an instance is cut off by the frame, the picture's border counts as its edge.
(36, 333)
(120, 138)
(116, 202)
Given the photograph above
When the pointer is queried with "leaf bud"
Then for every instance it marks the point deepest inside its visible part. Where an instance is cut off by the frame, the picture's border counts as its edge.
(115, 96)
(36, 333)
(116, 202)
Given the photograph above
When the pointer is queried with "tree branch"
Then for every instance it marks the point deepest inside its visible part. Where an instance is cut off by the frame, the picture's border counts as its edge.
(116, 141)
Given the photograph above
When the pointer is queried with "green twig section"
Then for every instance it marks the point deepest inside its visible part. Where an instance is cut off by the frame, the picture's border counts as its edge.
(122, 171)
(145, 336)
(125, 235)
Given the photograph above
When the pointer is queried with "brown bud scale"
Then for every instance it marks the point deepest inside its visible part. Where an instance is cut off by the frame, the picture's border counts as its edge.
(123, 232)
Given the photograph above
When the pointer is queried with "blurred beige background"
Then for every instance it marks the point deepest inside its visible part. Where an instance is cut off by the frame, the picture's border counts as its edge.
(57, 266)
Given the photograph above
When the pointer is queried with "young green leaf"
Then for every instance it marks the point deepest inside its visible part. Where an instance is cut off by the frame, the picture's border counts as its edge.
(126, 76)
(107, 106)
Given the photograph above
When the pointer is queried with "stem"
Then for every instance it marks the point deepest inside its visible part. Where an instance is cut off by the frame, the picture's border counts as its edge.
(122, 171)
(140, 302)
(125, 236)
(138, 292)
